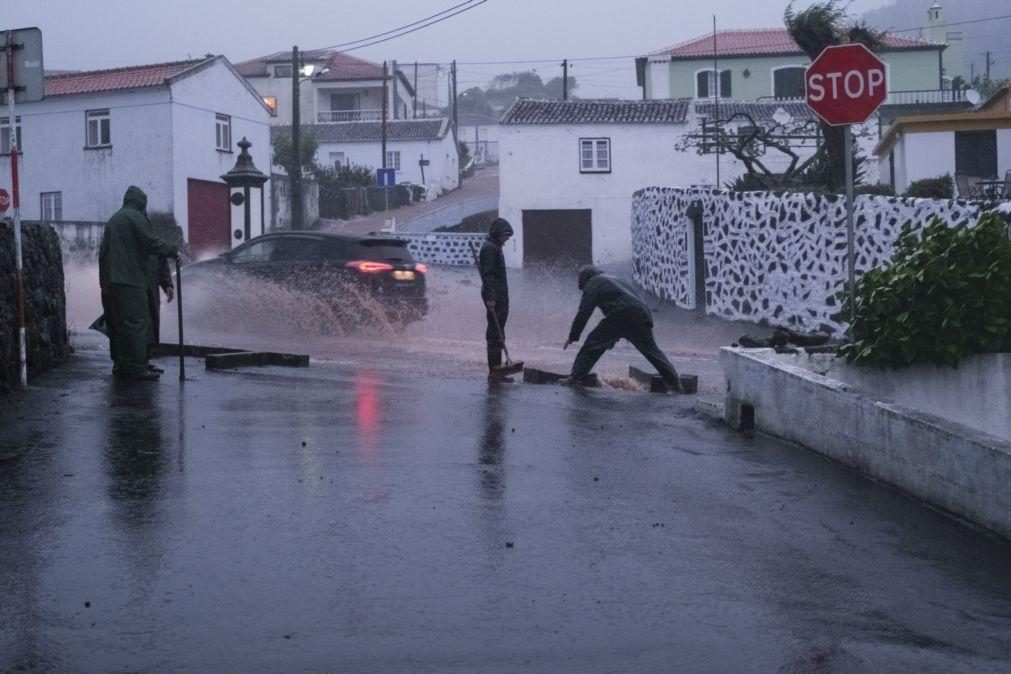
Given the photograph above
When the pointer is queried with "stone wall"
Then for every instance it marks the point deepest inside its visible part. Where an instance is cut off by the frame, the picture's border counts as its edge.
(779, 258)
(45, 302)
(280, 202)
(443, 248)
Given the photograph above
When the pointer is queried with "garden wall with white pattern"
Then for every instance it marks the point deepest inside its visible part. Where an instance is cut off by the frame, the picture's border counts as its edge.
(780, 258)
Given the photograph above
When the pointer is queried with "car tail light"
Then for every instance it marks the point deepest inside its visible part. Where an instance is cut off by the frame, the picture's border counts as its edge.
(369, 267)
(421, 268)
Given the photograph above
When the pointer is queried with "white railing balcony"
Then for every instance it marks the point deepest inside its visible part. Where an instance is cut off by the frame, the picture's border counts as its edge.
(925, 97)
(331, 116)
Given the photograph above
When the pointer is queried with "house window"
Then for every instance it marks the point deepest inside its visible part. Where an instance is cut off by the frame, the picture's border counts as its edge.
(705, 84)
(594, 155)
(52, 206)
(98, 128)
(393, 160)
(5, 134)
(223, 132)
(282, 71)
(271, 102)
(976, 153)
(337, 159)
(788, 82)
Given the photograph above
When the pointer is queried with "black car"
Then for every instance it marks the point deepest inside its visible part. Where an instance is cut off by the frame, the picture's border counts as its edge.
(342, 269)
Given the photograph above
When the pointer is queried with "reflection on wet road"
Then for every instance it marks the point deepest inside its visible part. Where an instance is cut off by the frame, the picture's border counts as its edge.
(363, 519)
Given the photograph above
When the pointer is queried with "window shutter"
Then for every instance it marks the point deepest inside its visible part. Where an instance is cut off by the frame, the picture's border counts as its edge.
(725, 91)
(702, 84)
(976, 153)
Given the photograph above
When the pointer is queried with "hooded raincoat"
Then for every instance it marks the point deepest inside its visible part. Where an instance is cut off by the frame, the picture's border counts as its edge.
(495, 288)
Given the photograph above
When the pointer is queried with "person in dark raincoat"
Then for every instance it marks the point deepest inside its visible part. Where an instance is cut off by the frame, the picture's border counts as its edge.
(495, 289)
(626, 316)
(127, 244)
(159, 279)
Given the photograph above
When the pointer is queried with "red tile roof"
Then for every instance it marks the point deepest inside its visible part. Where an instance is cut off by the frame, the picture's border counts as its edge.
(765, 42)
(340, 66)
(114, 79)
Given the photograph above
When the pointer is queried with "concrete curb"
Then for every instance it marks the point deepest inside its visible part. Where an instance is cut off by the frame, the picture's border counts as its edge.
(945, 464)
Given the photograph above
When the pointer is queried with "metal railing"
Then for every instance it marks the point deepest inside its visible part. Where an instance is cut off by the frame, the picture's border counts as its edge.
(330, 116)
(925, 96)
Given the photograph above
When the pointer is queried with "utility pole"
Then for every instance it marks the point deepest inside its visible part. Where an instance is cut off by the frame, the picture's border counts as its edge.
(396, 89)
(383, 123)
(716, 92)
(565, 79)
(296, 143)
(414, 102)
(456, 128)
(988, 64)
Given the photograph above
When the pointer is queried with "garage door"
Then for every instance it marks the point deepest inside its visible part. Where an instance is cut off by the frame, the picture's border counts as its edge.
(561, 239)
(209, 216)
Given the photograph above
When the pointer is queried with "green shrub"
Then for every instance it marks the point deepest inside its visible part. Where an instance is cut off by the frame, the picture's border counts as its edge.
(477, 222)
(945, 296)
(931, 188)
(877, 189)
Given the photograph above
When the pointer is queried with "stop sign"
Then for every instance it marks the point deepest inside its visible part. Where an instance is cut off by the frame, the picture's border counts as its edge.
(5, 200)
(846, 84)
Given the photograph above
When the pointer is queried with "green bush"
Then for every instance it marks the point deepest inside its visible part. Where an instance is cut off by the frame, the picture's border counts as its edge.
(877, 189)
(931, 188)
(945, 296)
(475, 223)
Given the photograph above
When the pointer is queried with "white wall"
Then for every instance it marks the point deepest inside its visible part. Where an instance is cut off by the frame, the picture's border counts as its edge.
(442, 172)
(923, 155)
(196, 100)
(1003, 152)
(92, 181)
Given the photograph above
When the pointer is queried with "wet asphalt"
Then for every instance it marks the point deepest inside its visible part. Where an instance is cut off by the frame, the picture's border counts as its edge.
(354, 518)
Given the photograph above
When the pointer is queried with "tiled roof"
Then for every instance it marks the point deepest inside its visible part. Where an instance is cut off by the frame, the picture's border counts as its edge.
(760, 112)
(114, 79)
(338, 65)
(767, 41)
(526, 111)
(370, 132)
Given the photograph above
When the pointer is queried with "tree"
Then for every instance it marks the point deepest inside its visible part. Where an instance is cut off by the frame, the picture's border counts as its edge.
(819, 26)
(988, 87)
(284, 154)
(553, 87)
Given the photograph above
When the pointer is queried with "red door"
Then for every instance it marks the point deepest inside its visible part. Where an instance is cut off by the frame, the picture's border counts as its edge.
(209, 217)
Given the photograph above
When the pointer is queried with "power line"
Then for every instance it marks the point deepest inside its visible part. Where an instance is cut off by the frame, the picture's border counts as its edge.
(417, 28)
(394, 30)
(955, 23)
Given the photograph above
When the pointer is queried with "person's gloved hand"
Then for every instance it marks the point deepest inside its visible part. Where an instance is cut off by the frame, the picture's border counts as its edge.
(169, 293)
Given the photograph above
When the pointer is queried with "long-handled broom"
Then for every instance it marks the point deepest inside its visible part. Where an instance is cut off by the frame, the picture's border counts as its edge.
(510, 367)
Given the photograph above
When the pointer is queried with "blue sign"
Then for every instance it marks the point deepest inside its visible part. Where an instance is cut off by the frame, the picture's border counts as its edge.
(386, 177)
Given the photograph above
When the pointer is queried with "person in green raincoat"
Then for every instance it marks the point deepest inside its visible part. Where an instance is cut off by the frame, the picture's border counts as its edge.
(127, 244)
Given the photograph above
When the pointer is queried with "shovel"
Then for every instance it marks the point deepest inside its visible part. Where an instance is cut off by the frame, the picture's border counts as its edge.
(510, 367)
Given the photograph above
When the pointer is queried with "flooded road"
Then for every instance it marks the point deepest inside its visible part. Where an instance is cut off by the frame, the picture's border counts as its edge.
(388, 510)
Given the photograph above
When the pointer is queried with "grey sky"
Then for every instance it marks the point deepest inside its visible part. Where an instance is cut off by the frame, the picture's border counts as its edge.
(110, 33)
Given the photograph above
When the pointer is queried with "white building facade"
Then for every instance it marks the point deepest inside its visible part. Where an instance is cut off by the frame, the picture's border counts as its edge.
(568, 171)
(171, 129)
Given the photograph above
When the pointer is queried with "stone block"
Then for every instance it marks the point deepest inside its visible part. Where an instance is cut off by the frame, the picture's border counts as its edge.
(223, 361)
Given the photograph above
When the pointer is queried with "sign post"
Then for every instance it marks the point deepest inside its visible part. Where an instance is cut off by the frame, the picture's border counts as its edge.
(845, 85)
(22, 80)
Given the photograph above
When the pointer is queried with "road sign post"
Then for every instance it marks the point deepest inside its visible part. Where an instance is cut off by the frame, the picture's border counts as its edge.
(22, 80)
(845, 85)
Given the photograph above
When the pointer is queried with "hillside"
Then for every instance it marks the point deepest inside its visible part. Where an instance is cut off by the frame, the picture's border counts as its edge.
(978, 37)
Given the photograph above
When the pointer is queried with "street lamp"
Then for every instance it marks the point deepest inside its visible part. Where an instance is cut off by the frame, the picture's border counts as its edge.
(299, 71)
(245, 176)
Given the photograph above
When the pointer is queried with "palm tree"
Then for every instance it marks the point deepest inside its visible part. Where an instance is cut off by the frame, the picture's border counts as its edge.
(824, 24)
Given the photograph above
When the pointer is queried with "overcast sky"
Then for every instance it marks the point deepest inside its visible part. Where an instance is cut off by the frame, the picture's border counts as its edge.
(91, 34)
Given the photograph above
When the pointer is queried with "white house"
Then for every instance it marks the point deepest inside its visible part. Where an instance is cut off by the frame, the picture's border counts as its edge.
(169, 128)
(420, 150)
(480, 133)
(974, 144)
(568, 169)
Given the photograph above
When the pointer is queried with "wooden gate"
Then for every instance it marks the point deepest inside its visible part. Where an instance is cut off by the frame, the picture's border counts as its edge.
(560, 239)
(209, 217)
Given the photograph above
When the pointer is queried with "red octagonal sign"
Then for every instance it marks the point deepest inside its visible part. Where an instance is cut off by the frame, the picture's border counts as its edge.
(846, 84)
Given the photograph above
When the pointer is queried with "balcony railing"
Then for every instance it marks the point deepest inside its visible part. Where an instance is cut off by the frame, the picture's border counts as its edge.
(330, 116)
(926, 97)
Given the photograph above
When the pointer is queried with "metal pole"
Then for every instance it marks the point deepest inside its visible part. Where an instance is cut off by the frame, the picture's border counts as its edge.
(851, 253)
(383, 123)
(19, 273)
(296, 144)
(565, 79)
(716, 97)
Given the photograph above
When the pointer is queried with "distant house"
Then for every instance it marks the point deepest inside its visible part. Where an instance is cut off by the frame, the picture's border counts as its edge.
(170, 128)
(480, 133)
(420, 150)
(761, 64)
(975, 144)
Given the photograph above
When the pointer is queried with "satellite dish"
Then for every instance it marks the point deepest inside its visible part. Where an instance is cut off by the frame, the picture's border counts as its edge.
(972, 96)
